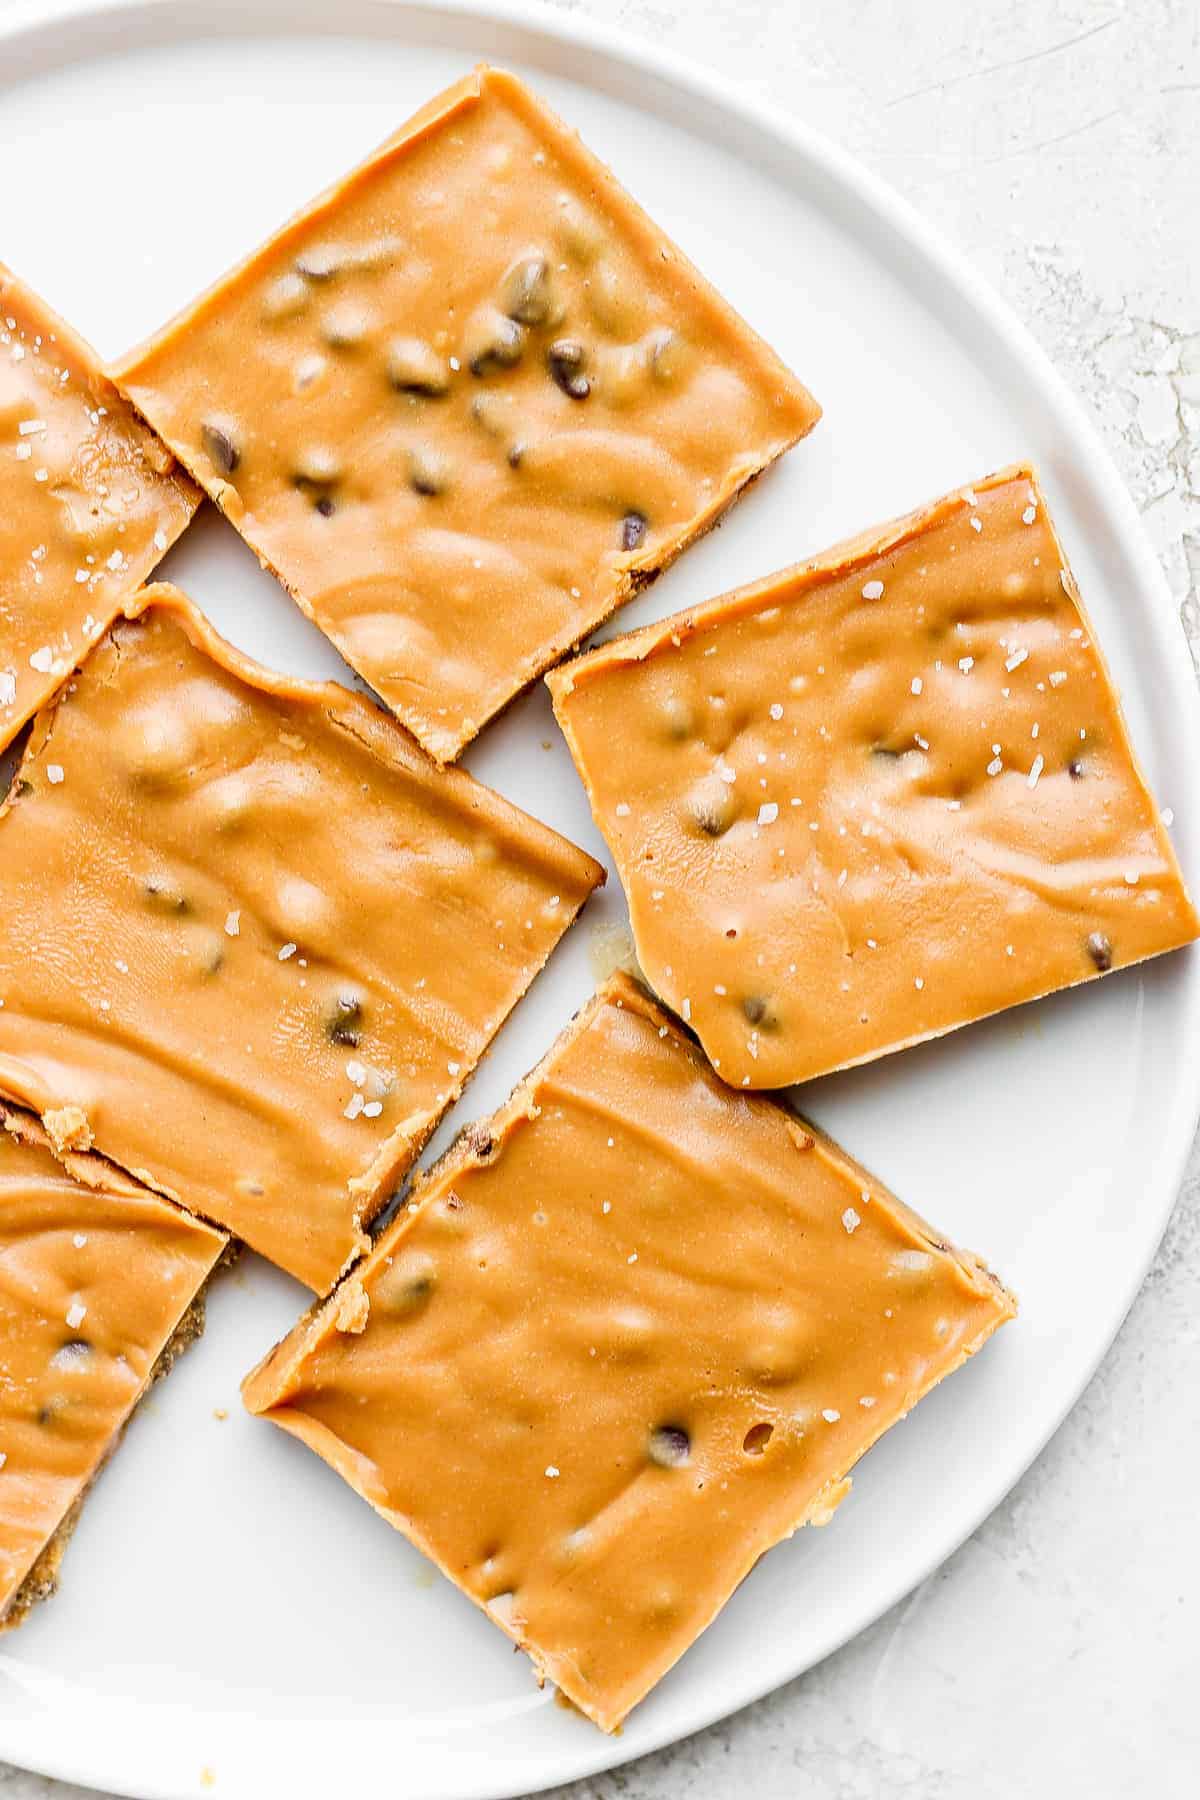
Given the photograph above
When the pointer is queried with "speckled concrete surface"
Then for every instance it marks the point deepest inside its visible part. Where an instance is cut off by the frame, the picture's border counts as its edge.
(1058, 142)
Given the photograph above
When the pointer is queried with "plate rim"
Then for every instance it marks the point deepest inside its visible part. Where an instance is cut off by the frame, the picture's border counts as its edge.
(38, 23)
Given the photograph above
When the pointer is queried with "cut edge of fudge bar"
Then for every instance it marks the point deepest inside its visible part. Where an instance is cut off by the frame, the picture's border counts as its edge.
(161, 461)
(805, 579)
(386, 740)
(92, 1171)
(638, 571)
(274, 1380)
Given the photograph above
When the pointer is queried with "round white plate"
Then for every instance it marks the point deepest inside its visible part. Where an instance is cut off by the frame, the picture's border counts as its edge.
(231, 1615)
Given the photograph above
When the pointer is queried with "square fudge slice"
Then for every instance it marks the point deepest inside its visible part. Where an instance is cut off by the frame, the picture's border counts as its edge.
(627, 1336)
(89, 502)
(100, 1289)
(257, 941)
(466, 404)
(865, 801)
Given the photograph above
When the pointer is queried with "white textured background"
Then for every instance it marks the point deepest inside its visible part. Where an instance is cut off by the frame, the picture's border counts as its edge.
(1058, 142)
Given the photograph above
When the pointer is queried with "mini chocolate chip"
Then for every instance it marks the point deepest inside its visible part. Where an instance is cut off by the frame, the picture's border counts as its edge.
(415, 367)
(633, 531)
(427, 472)
(220, 448)
(1075, 769)
(345, 327)
(1099, 948)
(325, 506)
(888, 752)
(166, 898)
(495, 342)
(755, 1008)
(677, 718)
(711, 807)
(21, 786)
(565, 359)
(285, 297)
(320, 262)
(670, 1446)
(757, 1438)
(317, 467)
(211, 954)
(660, 346)
(526, 291)
(344, 1023)
(414, 1293)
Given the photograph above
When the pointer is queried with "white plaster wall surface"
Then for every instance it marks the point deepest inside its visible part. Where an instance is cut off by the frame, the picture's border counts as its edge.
(1058, 143)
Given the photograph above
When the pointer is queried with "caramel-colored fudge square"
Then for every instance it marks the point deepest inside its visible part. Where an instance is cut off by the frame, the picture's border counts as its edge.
(865, 801)
(89, 502)
(466, 404)
(99, 1286)
(256, 941)
(627, 1336)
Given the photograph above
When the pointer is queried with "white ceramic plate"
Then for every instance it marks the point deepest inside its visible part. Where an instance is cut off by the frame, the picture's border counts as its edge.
(228, 1605)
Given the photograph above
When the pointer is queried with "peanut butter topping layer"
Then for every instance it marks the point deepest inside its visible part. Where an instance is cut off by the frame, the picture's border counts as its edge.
(467, 403)
(865, 801)
(627, 1336)
(95, 1275)
(256, 941)
(89, 502)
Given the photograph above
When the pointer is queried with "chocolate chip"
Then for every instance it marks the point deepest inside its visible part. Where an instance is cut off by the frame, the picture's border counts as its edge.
(516, 455)
(345, 327)
(494, 342)
(220, 447)
(344, 1022)
(755, 1008)
(211, 953)
(565, 359)
(670, 1446)
(165, 897)
(677, 718)
(428, 473)
(285, 297)
(320, 262)
(415, 367)
(1099, 948)
(659, 352)
(526, 291)
(633, 531)
(317, 471)
(757, 1438)
(711, 807)
(1075, 769)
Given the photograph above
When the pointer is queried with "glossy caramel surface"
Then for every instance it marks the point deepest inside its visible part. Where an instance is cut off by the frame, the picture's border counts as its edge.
(465, 402)
(864, 801)
(630, 1333)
